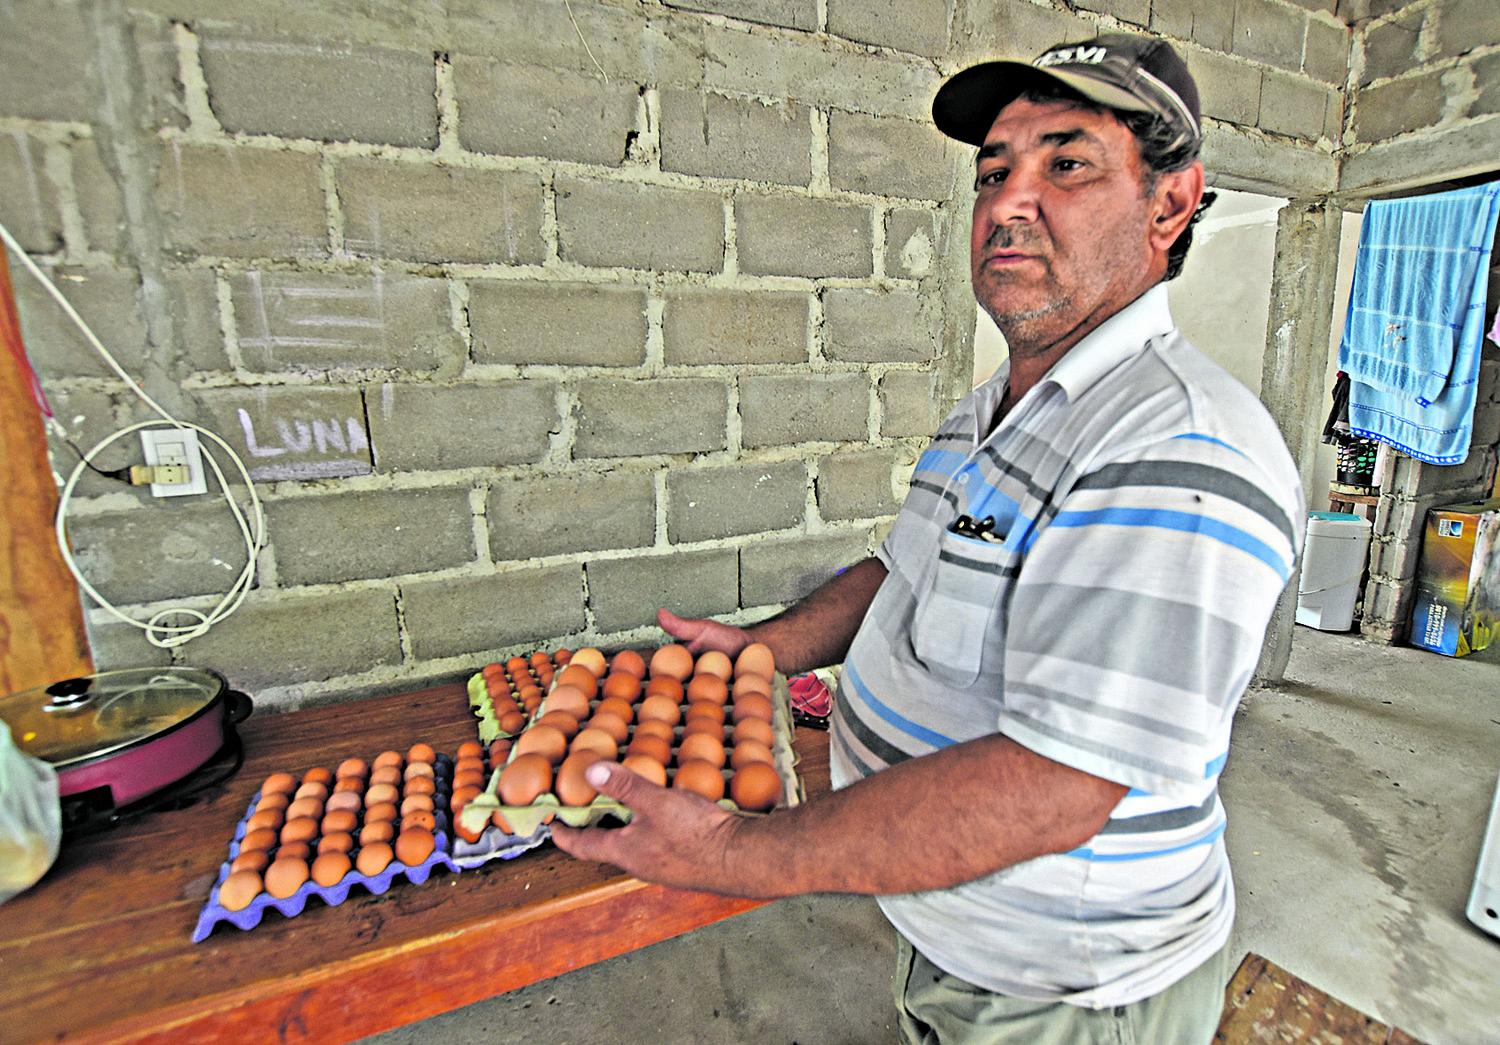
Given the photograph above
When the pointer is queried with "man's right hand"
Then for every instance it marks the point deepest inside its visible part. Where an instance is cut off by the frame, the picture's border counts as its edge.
(700, 635)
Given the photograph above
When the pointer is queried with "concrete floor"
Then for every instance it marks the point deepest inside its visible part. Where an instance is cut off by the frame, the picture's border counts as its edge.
(1357, 795)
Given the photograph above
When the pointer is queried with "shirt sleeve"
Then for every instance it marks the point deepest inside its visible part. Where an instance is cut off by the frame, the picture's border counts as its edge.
(1138, 614)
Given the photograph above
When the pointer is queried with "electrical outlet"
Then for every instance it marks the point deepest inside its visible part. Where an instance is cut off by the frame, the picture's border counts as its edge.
(177, 451)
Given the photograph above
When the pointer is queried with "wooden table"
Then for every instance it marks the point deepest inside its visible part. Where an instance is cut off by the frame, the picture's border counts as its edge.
(100, 948)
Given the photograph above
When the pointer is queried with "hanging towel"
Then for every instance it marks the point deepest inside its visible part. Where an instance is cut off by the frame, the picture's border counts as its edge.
(1416, 320)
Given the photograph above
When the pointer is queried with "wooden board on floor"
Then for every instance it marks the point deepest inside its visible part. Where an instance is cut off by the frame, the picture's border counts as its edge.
(1266, 1004)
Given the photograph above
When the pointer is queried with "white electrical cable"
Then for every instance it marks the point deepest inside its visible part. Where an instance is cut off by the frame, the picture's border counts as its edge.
(157, 633)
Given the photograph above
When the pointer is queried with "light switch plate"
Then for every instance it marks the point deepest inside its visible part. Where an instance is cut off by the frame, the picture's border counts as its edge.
(175, 446)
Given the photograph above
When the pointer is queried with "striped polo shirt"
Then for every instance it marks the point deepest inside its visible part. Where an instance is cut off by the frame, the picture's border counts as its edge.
(1146, 517)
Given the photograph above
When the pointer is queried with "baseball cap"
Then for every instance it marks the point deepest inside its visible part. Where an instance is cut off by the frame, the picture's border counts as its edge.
(1133, 73)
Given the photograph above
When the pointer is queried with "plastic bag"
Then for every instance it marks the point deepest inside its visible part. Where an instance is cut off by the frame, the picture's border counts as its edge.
(30, 817)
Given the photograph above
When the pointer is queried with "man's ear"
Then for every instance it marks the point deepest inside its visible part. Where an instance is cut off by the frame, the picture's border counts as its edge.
(1173, 202)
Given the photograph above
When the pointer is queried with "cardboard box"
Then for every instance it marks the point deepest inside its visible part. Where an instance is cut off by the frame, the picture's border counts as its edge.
(1457, 605)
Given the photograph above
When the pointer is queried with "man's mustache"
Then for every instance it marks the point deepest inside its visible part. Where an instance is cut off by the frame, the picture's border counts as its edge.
(1002, 237)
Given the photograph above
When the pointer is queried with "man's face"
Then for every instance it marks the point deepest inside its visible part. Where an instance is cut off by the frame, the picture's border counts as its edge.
(1060, 235)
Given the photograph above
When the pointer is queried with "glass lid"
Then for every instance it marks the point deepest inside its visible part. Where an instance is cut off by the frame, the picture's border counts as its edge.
(83, 718)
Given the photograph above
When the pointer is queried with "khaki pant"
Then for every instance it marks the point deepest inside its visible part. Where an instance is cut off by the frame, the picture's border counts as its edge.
(933, 1007)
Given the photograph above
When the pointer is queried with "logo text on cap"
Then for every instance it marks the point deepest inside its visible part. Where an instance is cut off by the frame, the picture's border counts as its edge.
(1072, 56)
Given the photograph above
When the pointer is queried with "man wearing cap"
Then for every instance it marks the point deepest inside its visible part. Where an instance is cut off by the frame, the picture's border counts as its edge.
(1042, 663)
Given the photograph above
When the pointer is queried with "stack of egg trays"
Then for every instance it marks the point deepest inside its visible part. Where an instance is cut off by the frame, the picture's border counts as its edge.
(532, 820)
(250, 916)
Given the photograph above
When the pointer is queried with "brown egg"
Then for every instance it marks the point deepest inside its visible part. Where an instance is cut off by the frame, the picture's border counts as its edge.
(416, 803)
(518, 665)
(266, 818)
(590, 658)
(705, 709)
(284, 877)
(352, 767)
(292, 851)
(388, 758)
(714, 663)
(651, 747)
(349, 783)
(373, 858)
(382, 831)
(422, 785)
(469, 749)
(703, 725)
(512, 722)
(320, 775)
(416, 769)
(547, 741)
(748, 751)
(755, 787)
(279, 784)
(701, 746)
(425, 821)
(709, 688)
(597, 741)
(570, 787)
(263, 838)
(748, 684)
(330, 868)
(524, 778)
(662, 709)
(468, 834)
(580, 677)
(498, 751)
(340, 842)
(621, 709)
(755, 659)
(561, 721)
(461, 797)
(614, 725)
(340, 820)
(567, 698)
(672, 661)
(381, 794)
(628, 662)
(467, 763)
(251, 860)
(303, 829)
(414, 845)
(385, 811)
(648, 767)
(753, 729)
(305, 807)
(664, 686)
(468, 778)
(561, 655)
(655, 728)
(420, 753)
(236, 891)
(621, 687)
(751, 705)
(492, 669)
(701, 778)
(532, 701)
(279, 800)
(312, 789)
(345, 800)
(387, 775)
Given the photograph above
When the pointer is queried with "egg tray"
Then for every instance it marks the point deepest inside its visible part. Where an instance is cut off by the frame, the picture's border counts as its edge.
(483, 707)
(530, 819)
(495, 844)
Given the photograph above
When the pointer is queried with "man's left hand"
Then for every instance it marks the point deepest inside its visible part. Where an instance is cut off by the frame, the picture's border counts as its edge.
(674, 837)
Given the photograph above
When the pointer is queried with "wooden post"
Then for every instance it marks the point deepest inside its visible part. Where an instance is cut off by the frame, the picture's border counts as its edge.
(42, 638)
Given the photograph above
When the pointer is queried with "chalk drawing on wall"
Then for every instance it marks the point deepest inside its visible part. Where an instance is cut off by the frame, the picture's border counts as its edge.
(305, 448)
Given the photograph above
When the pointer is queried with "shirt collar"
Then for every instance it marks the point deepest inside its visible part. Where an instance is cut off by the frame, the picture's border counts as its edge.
(1118, 338)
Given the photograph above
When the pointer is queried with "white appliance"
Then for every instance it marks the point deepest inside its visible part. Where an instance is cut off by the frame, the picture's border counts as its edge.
(1333, 562)
(1484, 901)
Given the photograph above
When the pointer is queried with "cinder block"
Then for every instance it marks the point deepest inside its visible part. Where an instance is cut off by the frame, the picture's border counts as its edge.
(156, 45)
(878, 326)
(857, 485)
(273, 640)
(436, 213)
(1268, 32)
(1022, 30)
(1136, 12)
(734, 326)
(425, 426)
(1227, 89)
(524, 110)
(718, 137)
(1464, 25)
(1173, 18)
(1398, 106)
(1487, 77)
(573, 324)
(292, 432)
(44, 51)
(791, 14)
(28, 207)
(706, 503)
(779, 409)
(908, 403)
(88, 416)
(372, 533)
(898, 24)
(1280, 167)
(1293, 105)
(163, 550)
(626, 593)
(1324, 6)
(1387, 612)
(624, 418)
(461, 615)
(639, 226)
(240, 202)
(323, 321)
(1326, 56)
(1395, 558)
(98, 198)
(116, 645)
(889, 156)
(1213, 25)
(319, 89)
(783, 571)
(1391, 46)
(555, 515)
(911, 243)
(792, 237)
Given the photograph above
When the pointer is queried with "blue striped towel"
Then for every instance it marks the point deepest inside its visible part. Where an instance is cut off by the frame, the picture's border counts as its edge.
(1416, 320)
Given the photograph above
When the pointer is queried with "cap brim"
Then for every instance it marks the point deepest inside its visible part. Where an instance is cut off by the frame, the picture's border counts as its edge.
(966, 106)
